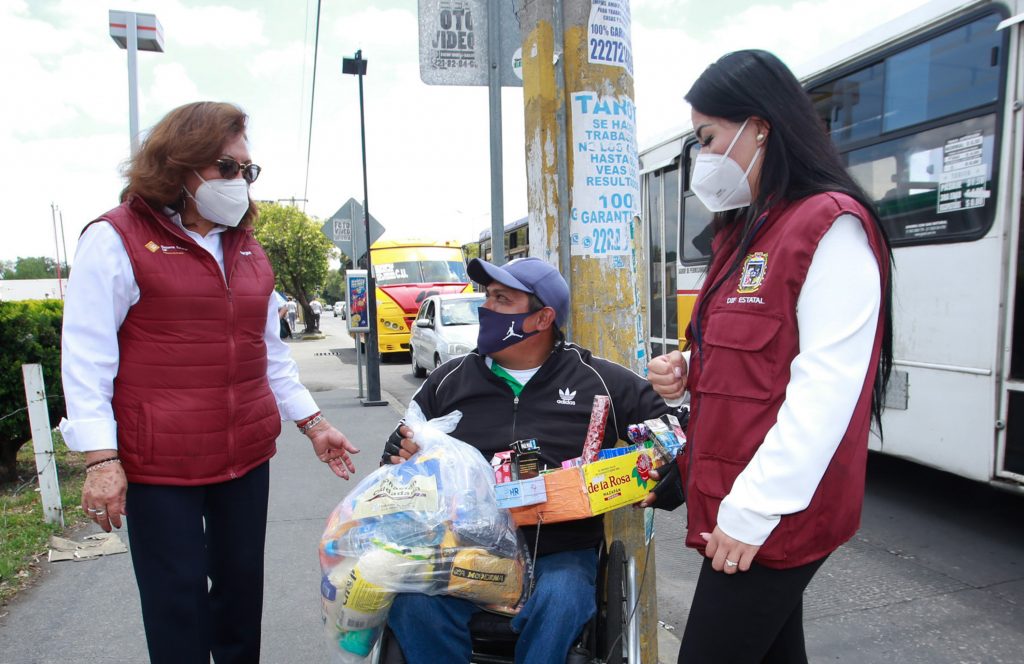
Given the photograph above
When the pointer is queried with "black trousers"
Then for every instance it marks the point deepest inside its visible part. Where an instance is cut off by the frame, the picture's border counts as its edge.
(182, 536)
(747, 617)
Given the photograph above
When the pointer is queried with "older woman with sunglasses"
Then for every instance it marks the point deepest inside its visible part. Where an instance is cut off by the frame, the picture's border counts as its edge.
(176, 382)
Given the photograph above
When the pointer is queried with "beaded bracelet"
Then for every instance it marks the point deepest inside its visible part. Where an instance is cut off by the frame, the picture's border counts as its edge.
(312, 423)
(306, 420)
(96, 463)
(101, 464)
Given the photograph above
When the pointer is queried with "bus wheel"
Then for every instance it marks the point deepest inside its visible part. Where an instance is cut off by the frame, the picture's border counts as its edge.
(417, 370)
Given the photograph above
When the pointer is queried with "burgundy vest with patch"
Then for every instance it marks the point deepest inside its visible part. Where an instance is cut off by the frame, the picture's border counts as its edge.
(749, 338)
(191, 398)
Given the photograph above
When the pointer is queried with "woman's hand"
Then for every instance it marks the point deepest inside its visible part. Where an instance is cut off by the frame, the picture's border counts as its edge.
(333, 448)
(104, 490)
(727, 554)
(667, 375)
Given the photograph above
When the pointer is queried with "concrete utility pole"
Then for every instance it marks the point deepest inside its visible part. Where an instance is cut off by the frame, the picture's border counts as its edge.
(584, 199)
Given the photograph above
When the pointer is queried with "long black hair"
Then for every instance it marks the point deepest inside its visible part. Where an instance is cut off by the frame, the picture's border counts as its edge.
(799, 160)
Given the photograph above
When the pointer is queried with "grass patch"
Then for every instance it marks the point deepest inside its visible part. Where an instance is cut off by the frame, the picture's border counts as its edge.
(23, 534)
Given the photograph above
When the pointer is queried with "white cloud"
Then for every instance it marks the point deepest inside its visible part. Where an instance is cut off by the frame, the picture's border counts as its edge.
(214, 26)
(288, 59)
(171, 87)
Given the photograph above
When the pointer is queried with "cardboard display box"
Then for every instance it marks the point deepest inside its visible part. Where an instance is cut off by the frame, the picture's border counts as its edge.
(591, 489)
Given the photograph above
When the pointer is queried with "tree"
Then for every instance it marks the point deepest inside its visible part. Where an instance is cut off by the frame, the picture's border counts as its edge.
(297, 250)
(32, 267)
(31, 332)
(334, 289)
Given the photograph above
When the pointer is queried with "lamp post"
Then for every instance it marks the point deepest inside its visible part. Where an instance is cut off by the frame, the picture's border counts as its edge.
(135, 32)
(357, 67)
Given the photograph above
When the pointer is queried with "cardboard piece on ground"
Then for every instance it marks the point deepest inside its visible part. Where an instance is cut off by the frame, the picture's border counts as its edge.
(91, 546)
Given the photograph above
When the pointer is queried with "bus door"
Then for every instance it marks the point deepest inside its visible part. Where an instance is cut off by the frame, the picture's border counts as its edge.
(663, 189)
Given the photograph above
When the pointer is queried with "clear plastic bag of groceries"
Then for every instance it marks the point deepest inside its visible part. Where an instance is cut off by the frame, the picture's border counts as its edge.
(429, 525)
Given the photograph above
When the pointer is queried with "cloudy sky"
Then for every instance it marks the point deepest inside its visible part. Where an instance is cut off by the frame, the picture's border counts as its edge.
(64, 119)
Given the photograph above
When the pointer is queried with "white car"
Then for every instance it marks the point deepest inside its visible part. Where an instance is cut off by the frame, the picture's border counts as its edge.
(445, 327)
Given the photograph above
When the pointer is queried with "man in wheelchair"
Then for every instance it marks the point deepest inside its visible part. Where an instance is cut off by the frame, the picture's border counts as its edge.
(524, 380)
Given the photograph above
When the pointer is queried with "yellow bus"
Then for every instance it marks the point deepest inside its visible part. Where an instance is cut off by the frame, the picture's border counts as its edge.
(406, 272)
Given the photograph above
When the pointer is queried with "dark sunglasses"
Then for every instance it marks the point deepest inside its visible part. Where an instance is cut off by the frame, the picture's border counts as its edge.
(229, 168)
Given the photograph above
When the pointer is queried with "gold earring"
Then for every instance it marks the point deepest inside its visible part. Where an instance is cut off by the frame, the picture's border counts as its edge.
(760, 138)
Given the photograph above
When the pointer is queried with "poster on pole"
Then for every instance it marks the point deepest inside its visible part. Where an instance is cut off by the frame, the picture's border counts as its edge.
(608, 34)
(606, 180)
(454, 42)
(356, 302)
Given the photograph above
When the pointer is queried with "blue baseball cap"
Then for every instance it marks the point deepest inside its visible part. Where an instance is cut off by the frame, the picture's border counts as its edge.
(531, 275)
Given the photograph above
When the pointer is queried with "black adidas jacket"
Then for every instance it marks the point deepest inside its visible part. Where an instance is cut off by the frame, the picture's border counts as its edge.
(554, 408)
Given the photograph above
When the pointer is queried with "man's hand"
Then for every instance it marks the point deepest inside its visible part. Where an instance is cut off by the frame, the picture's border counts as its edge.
(333, 448)
(668, 494)
(727, 554)
(399, 445)
(667, 375)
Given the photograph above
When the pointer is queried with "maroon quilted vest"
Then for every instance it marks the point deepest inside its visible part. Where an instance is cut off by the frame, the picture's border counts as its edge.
(191, 397)
(749, 337)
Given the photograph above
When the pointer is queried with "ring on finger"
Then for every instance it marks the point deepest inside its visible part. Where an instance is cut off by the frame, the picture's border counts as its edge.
(92, 511)
(100, 512)
(730, 563)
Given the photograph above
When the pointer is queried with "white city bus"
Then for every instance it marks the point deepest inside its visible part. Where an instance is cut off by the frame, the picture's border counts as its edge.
(927, 113)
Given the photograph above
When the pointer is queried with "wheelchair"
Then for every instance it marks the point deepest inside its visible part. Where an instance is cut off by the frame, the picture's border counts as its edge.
(611, 636)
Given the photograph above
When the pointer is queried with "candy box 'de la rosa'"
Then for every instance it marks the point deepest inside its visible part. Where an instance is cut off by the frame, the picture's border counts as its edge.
(591, 489)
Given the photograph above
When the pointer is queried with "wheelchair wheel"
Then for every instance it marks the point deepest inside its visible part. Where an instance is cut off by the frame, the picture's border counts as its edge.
(613, 633)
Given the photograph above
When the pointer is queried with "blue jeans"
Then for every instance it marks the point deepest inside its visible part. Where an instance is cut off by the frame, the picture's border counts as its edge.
(435, 629)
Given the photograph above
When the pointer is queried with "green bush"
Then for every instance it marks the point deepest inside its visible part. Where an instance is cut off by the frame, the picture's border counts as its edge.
(29, 333)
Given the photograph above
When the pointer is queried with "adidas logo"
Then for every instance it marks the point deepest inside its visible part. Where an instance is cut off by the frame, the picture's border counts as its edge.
(565, 397)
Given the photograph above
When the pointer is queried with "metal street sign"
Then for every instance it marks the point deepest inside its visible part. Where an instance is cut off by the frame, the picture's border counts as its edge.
(345, 230)
(453, 42)
(150, 32)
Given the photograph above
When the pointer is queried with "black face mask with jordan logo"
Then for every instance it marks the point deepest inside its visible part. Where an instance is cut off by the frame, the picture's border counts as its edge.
(499, 331)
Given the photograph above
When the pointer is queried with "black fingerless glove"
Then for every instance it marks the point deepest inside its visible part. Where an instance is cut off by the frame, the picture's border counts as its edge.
(393, 445)
(669, 490)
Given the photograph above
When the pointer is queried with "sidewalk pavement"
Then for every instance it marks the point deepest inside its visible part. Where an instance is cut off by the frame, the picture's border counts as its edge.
(89, 611)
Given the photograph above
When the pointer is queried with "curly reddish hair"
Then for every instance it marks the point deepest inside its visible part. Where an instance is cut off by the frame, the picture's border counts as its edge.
(187, 139)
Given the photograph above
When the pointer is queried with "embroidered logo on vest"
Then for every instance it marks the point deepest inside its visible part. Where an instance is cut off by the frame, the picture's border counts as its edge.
(152, 246)
(755, 267)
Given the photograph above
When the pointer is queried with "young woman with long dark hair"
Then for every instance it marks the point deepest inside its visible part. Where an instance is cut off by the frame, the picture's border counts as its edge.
(789, 352)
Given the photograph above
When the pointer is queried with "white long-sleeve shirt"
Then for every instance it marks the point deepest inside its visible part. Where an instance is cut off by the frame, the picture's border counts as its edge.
(101, 290)
(837, 313)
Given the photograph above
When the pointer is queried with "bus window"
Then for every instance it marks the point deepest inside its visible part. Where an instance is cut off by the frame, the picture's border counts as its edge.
(851, 106)
(695, 242)
(931, 182)
(420, 272)
(934, 185)
(953, 72)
